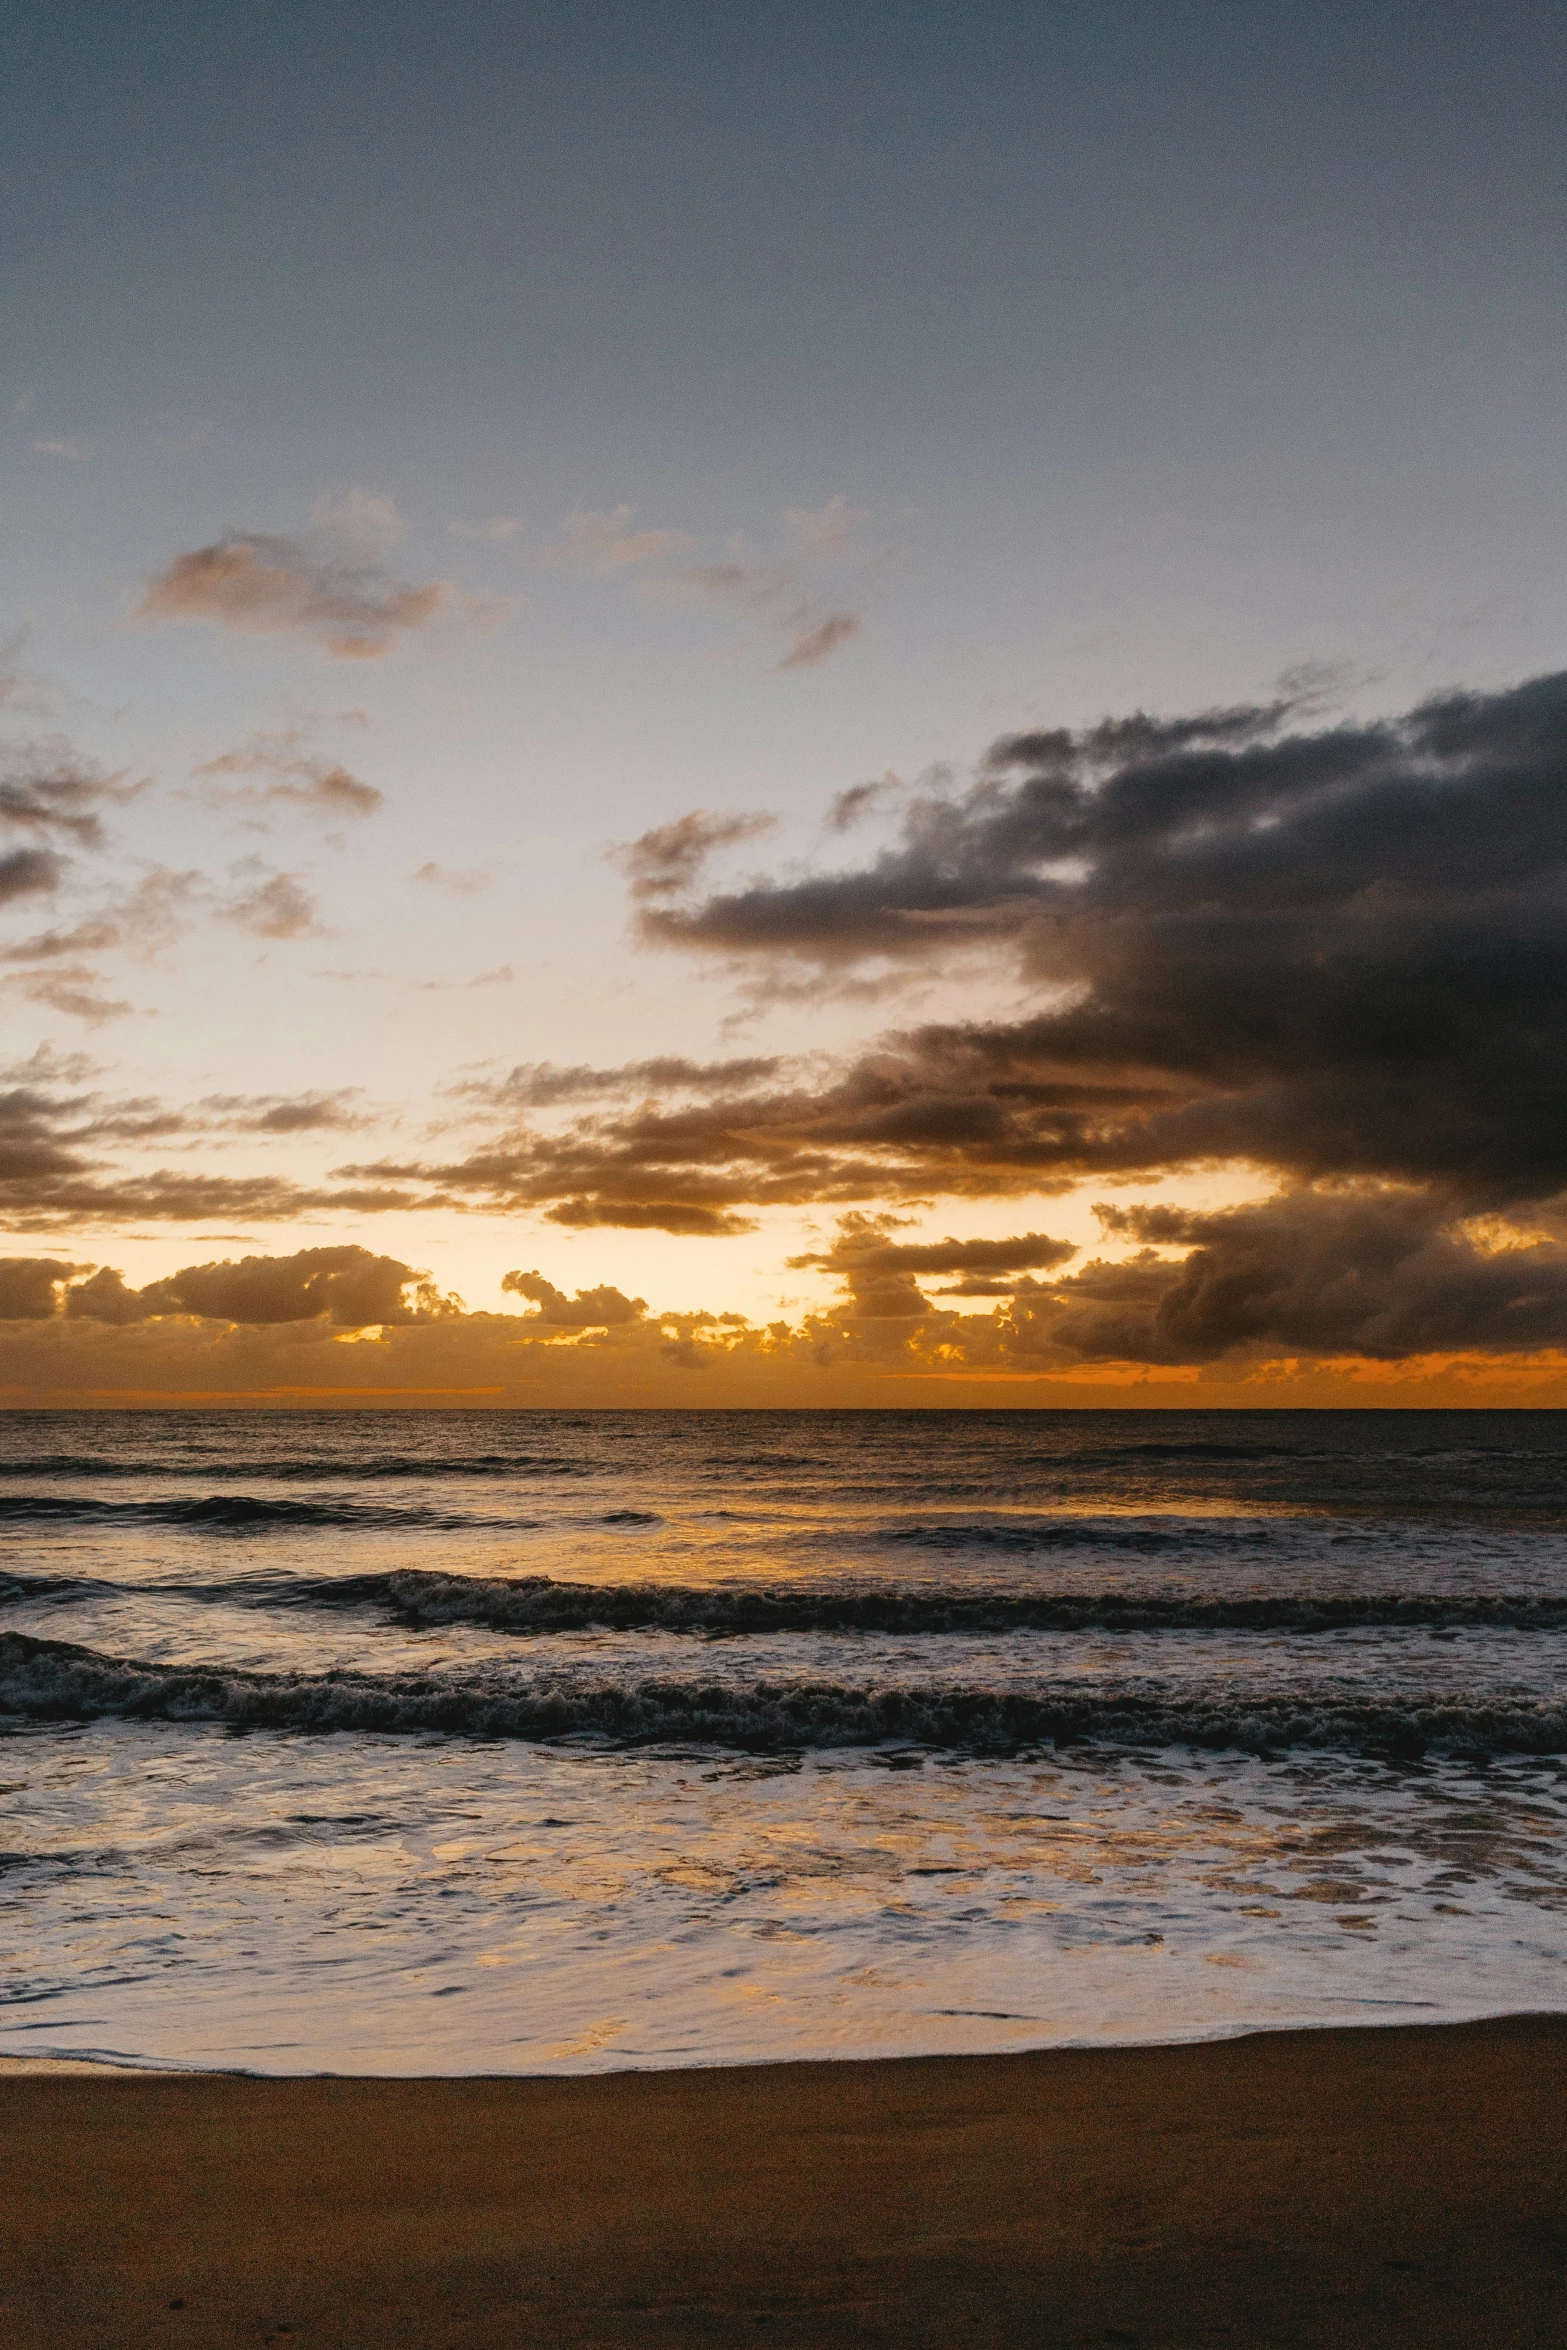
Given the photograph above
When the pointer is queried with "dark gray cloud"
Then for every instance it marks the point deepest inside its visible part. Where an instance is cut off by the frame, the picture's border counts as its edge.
(349, 1287)
(591, 1309)
(1330, 952)
(1312, 1274)
(47, 790)
(29, 873)
(881, 1273)
(694, 1167)
(30, 1287)
(1381, 1273)
(858, 800)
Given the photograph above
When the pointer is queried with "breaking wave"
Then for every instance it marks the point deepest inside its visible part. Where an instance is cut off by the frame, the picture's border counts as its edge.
(236, 1512)
(331, 1467)
(418, 1598)
(55, 1680)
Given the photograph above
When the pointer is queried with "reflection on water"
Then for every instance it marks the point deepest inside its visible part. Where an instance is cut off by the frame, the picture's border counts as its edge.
(520, 1742)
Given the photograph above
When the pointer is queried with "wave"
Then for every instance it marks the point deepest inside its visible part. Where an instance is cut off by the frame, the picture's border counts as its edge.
(238, 1512)
(538, 1603)
(329, 1467)
(54, 1680)
(420, 1598)
(1080, 1533)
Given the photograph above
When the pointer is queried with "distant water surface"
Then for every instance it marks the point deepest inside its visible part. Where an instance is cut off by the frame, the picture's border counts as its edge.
(450, 1742)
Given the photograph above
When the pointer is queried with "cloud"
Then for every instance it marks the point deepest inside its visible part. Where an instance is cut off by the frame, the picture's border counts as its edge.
(816, 640)
(327, 586)
(858, 800)
(279, 907)
(288, 775)
(270, 1113)
(590, 1309)
(461, 884)
(670, 858)
(829, 529)
(600, 545)
(1384, 1274)
(776, 596)
(1337, 955)
(29, 873)
(348, 1287)
(502, 976)
(1308, 1269)
(143, 921)
(863, 1247)
(499, 530)
(541, 1085)
(64, 1159)
(1381, 1275)
(1329, 953)
(358, 521)
(46, 789)
(30, 1287)
(784, 597)
(78, 452)
(19, 690)
(71, 988)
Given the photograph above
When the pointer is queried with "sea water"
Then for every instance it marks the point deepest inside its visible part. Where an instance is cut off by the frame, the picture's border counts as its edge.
(529, 1741)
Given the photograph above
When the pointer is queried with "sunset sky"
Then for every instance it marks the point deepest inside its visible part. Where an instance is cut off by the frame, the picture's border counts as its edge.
(813, 705)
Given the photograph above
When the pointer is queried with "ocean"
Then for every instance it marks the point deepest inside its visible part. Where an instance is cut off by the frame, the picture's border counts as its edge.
(459, 1742)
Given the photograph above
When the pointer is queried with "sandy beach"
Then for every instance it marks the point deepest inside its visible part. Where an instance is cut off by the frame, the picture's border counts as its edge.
(1378, 2186)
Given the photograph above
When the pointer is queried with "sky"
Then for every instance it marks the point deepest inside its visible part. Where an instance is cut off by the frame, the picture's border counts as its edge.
(819, 705)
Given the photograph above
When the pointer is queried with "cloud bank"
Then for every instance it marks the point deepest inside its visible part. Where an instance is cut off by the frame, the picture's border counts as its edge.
(1332, 957)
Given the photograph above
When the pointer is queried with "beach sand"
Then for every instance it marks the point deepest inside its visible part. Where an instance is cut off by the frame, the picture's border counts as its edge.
(1379, 2186)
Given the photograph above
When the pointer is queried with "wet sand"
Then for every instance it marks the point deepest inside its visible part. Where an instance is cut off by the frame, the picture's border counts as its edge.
(1368, 2187)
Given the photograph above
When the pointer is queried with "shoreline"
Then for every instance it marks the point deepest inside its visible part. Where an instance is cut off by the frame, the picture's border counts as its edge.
(120, 2066)
(1401, 2183)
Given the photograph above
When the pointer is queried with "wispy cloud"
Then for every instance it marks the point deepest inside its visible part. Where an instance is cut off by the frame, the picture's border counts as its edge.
(502, 976)
(669, 859)
(77, 452)
(141, 921)
(71, 988)
(286, 774)
(499, 531)
(463, 883)
(772, 593)
(284, 1114)
(327, 585)
(603, 544)
(278, 907)
(858, 800)
(826, 530)
(792, 597)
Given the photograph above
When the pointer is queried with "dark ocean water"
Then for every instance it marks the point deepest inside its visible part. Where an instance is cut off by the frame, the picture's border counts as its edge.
(514, 1741)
